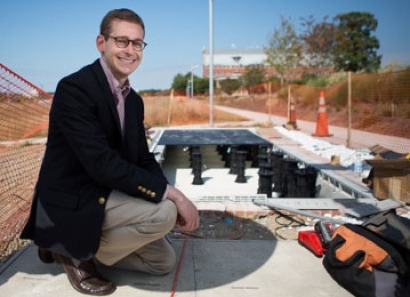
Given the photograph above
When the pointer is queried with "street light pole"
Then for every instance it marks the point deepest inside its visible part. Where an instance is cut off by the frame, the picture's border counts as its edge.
(211, 64)
(187, 90)
(191, 82)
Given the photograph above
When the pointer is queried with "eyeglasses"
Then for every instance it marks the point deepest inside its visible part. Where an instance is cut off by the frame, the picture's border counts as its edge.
(123, 42)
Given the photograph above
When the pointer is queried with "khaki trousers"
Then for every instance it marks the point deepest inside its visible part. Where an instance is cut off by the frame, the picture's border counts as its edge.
(133, 234)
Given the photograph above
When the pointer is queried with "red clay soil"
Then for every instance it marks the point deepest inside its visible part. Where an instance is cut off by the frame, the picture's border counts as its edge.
(364, 116)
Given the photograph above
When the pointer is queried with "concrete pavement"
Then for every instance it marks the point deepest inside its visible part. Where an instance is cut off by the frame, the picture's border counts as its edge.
(206, 268)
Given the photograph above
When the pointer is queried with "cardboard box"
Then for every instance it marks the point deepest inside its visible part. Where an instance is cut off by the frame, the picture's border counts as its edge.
(391, 179)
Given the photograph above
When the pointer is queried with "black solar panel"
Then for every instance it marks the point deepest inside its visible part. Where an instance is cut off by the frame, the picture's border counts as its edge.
(211, 136)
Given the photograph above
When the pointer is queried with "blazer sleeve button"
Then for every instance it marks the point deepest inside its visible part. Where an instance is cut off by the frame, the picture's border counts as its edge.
(153, 195)
(101, 200)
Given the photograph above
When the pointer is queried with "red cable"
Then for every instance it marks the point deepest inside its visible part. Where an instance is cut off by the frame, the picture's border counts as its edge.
(180, 260)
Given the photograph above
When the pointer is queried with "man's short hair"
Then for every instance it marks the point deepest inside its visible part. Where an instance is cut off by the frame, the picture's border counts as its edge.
(122, 14)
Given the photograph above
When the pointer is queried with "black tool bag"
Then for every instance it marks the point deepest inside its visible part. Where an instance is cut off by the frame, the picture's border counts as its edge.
(372, 259)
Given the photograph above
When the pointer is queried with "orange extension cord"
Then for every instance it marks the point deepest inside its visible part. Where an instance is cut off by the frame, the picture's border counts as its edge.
(180, 260)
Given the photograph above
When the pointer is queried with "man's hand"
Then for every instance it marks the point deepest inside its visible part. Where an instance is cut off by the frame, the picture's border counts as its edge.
(188, 216)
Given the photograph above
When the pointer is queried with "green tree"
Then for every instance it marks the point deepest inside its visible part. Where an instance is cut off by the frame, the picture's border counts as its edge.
(201, 85)
(356, 47)
(253, 76)
(284, 51)
(180, 82)
(229, 85)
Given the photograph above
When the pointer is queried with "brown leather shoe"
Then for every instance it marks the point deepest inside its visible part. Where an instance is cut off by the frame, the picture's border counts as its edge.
(45, 255)
(85, 278)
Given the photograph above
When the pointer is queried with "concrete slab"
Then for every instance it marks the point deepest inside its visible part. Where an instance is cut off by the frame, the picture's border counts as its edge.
(206, 268)
(261, 268)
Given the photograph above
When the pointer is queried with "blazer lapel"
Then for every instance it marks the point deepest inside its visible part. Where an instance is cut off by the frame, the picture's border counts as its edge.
(108, 96)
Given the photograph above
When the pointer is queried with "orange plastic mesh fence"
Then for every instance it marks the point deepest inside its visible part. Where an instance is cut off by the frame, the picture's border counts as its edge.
(23, 108)
(24, 112)
(18, 170)
(380, 107)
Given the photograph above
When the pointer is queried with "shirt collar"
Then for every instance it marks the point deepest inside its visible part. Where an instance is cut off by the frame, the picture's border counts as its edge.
(113, 82)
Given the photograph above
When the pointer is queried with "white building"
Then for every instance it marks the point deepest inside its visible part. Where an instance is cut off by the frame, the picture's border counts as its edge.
(232, 63)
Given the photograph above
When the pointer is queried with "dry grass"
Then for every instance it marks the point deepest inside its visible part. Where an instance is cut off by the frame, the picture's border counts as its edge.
(25, 119)
(162, 111)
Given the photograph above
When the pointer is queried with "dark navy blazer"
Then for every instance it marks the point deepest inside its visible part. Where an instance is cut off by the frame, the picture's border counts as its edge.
(86, 158)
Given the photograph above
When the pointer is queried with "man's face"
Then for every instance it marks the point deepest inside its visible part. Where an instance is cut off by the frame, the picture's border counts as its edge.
(121, 61)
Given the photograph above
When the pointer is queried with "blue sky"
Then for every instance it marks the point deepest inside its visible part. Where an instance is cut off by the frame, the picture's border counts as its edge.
(44, 40)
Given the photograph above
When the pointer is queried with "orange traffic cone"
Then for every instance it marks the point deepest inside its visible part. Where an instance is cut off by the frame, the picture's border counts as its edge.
(321, 123)
(291, 124)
